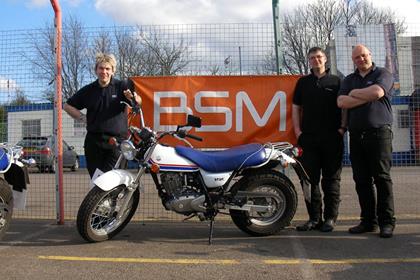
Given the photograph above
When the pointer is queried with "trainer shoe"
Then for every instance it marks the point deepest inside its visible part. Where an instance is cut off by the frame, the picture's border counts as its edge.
(362, 228)
(328, 225)
(309, 225)
(386, 231)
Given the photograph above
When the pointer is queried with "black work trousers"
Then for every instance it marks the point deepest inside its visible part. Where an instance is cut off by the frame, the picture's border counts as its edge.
(322, 156)
(371, 156)
(99, 154)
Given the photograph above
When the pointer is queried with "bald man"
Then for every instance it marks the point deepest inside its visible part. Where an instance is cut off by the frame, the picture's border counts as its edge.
(366, 94)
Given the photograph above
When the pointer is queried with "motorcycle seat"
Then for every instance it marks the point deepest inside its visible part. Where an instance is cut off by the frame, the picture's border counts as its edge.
(226, 160)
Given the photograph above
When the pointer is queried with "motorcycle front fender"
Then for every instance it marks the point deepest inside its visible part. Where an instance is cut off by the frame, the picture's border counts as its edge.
(113, 179)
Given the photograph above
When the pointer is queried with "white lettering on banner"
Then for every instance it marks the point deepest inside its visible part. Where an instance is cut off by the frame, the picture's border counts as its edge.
(242, 99)
(157, 110)
(211, 109)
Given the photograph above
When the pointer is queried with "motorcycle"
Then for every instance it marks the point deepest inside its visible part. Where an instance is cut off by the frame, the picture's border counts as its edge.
(13, 185)
(247, 181)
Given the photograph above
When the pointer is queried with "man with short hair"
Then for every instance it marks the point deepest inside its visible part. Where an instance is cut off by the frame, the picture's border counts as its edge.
(366, 94)
(318, 128)
(106, 116)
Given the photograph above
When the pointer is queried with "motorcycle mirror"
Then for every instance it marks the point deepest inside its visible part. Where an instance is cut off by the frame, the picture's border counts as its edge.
(31, 162)
(193, 121)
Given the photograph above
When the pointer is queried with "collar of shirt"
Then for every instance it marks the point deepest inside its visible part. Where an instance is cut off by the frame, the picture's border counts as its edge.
(111, 82)
(357, 72)
(327, 71)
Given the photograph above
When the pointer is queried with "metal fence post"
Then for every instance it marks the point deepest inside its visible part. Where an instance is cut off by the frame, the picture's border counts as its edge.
(57, 124)
(277, 37)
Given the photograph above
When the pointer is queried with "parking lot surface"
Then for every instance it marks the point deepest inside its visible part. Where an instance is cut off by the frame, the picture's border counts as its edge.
(35, 249)
(166, 248)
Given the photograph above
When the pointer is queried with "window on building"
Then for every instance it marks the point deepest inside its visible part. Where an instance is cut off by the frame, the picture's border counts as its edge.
(403, 119)
(31, 128)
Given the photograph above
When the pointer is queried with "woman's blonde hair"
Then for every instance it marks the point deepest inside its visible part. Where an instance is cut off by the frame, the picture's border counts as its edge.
(106, 58)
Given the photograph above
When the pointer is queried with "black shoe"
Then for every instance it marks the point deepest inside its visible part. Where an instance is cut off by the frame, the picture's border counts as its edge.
(309, 225)
(328, 225)
(362, 228)
(386, 231)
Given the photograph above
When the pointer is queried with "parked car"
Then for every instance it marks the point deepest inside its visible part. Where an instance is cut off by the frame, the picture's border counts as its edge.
(41, 148)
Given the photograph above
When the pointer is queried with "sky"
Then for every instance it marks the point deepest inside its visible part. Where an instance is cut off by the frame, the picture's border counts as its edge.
(27, 14)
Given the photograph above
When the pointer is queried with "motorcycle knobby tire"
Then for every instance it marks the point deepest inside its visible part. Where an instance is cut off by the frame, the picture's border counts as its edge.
(95, 221)
(6, 207)
(266, 223)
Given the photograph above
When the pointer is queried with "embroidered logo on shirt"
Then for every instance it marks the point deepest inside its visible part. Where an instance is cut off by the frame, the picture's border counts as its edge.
(369, 83)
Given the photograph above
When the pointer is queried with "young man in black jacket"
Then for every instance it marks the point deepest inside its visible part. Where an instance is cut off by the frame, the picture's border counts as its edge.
(106, 116)
(317, 122)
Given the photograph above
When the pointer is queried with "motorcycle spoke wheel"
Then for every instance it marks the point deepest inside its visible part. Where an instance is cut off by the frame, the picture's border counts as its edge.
(281, 203)
(276, 206)
(6, 207)
(104, 217)
(98, 218)
(4, 213)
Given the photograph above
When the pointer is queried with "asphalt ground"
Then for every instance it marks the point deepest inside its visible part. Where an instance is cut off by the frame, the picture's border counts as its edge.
(36, 249)
(150, 248)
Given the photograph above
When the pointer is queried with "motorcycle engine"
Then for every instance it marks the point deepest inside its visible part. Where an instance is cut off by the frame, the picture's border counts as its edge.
(182, 196)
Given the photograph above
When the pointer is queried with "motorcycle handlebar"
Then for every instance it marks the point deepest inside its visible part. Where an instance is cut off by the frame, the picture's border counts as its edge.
(29, 162)
(134, 106)
(194, 137)
(183, 134)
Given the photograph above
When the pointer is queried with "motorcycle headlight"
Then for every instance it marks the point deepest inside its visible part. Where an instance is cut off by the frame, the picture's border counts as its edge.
(128, 150)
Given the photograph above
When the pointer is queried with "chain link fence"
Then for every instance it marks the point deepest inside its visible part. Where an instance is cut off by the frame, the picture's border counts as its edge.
(27, 87)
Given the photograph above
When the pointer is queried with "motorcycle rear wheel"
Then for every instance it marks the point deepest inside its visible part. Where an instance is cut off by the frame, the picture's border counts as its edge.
(283, 203)
(97, 219)
(6, 207)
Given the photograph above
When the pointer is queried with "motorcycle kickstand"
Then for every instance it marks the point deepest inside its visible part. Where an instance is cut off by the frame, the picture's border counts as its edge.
(211, 230)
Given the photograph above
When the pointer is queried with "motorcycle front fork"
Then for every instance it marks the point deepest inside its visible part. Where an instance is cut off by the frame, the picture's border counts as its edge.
(124, 197)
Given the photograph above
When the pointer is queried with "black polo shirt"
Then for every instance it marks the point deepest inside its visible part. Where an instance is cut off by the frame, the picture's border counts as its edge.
(373, 114)
(105, 113)
(318, 99)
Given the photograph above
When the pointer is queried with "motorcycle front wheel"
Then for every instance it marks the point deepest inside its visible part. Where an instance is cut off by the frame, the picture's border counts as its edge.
(281, 203)
(98, 216)
(6, 207)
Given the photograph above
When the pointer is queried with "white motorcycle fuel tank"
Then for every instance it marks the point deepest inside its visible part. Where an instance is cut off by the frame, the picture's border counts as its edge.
(169, 160)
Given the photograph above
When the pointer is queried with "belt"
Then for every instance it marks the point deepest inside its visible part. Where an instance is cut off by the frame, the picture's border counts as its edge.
(102, 136)
(370, 131)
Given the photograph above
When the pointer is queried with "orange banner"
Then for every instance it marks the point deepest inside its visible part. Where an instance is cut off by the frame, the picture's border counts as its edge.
(234, 109)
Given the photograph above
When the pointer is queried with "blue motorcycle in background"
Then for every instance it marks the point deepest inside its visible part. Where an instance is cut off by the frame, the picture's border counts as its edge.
(13, 185)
